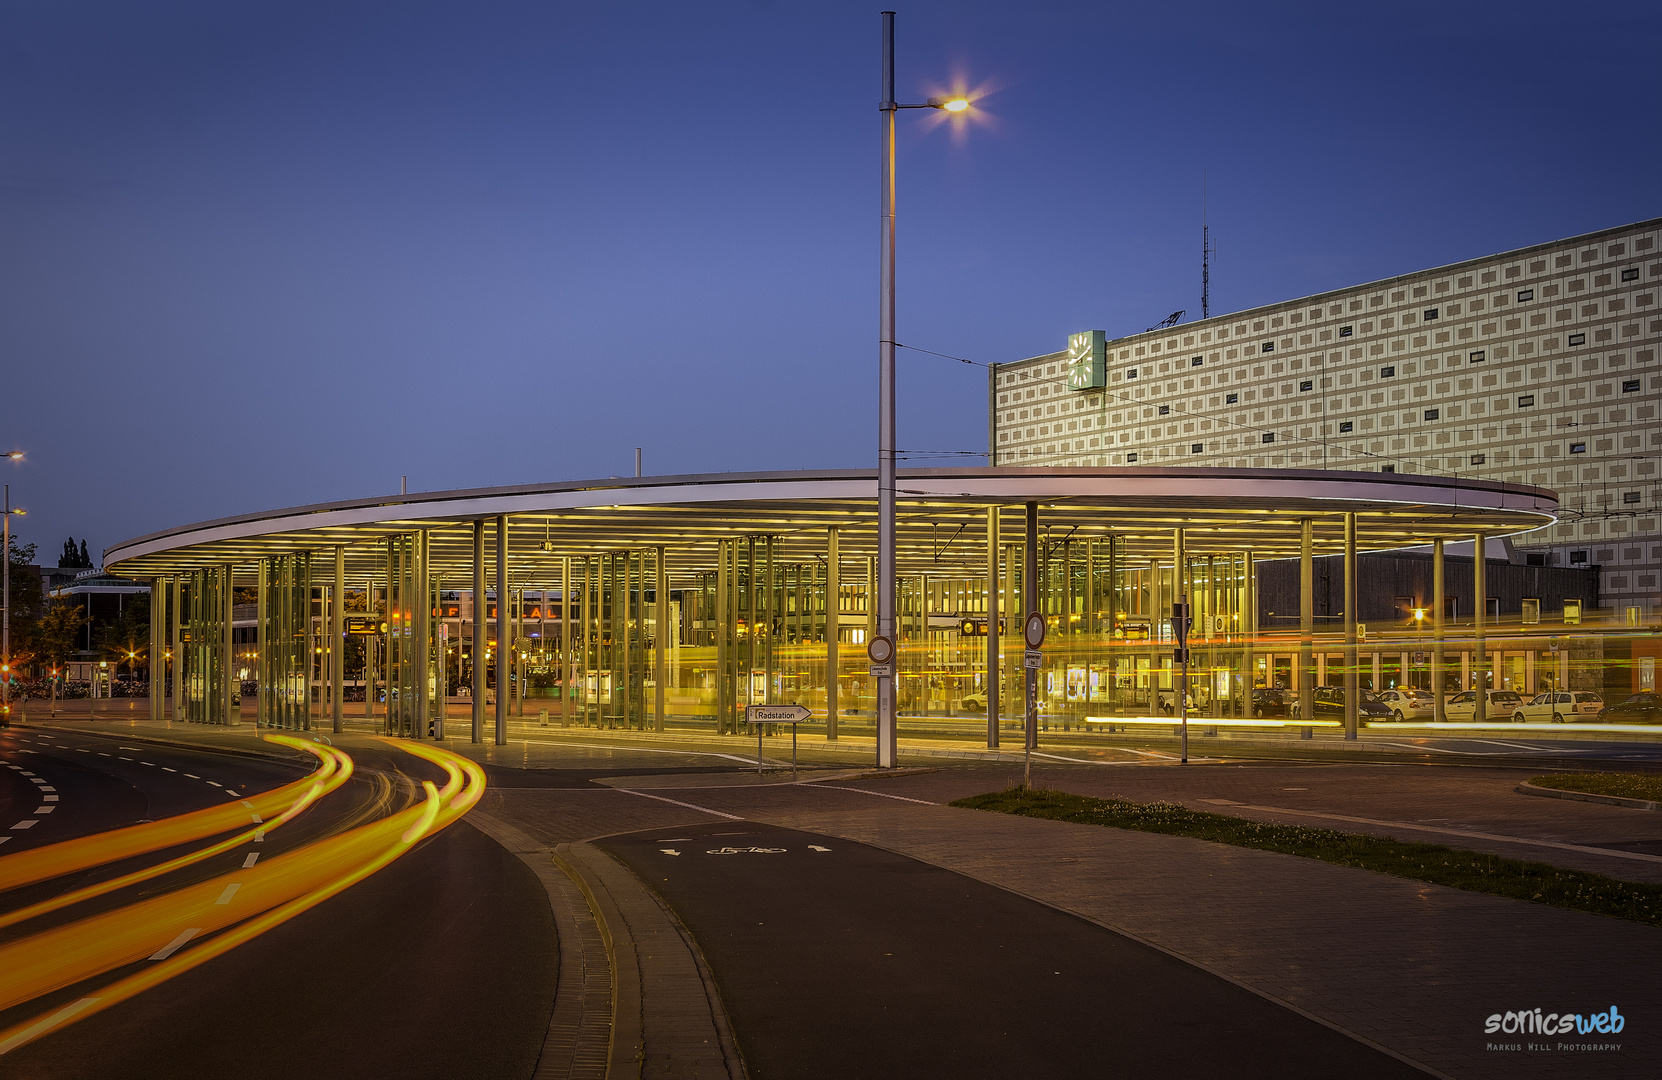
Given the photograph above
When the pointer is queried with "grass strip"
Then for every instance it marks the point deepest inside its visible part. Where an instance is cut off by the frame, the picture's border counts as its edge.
(1617, 785)
(1470, 870)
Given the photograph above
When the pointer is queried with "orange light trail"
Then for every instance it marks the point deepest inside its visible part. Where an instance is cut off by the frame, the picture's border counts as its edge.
(258, 898)
(337, 769)
(85, 852)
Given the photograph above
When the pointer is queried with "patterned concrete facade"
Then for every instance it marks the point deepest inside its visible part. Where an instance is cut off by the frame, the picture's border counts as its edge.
(1537, 367)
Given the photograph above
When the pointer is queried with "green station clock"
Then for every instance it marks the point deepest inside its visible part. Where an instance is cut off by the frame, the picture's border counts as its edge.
(1088, 360)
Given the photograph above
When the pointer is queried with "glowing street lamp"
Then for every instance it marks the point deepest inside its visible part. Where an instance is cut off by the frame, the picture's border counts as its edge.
(886, 711)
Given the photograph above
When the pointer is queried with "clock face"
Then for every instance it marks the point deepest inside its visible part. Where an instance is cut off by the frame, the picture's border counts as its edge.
(1087, 360)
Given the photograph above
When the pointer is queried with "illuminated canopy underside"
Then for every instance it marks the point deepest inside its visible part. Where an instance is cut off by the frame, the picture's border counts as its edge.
(942, 518)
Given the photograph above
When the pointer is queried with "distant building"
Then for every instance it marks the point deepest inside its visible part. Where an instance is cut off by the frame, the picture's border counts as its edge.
(103, 597)
(1535, 367)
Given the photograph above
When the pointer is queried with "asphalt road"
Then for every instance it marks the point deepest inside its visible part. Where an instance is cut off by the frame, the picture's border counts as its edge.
(443, 964)
(841, 961)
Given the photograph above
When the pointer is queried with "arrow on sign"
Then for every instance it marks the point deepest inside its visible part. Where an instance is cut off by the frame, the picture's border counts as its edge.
(776, 714)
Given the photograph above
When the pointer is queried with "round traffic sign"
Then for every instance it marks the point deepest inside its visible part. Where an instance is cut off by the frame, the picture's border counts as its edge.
(881, 650)
(1034, 631)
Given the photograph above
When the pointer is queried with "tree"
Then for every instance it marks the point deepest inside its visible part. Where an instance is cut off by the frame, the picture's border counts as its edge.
(57, 635)
(74, 558)
(28, 602)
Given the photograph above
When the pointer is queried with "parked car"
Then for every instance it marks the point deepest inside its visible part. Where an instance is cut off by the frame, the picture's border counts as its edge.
(1407, 703)
(1645, 708)
(1269, 702)
(1330, 705)
(1500, 706)
(975, 702)
(1558, 706)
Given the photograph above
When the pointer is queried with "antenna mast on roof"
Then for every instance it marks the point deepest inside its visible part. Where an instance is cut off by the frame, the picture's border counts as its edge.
(1206, 254)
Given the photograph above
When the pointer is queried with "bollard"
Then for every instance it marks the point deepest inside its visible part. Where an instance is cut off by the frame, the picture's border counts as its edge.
(542, 717)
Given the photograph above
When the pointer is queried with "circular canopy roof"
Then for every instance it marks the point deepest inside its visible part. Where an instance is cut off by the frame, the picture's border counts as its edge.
(941, 517)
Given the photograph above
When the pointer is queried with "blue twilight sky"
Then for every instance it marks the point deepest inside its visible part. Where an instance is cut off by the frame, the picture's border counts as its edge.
(265, 253)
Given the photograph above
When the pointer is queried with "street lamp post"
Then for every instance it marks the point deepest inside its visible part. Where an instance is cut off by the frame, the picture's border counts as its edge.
(6, 607)
(886, 711)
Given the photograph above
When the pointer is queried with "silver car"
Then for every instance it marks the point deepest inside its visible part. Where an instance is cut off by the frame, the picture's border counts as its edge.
(1407, 703)
(1557, 707)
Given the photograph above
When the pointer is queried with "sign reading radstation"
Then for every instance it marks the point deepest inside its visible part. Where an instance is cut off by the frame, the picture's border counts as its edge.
(1088, 360)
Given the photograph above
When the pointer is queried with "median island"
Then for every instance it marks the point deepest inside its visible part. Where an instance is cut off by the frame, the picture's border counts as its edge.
(1471, 870)
(1615, 785)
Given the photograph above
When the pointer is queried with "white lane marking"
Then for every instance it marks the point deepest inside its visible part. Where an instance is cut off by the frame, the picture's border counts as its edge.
(26, 823)
(173, 946)
(82, 750)
(64, 1014)
(216, 783)
(259, 836)
(257, 819)
(102, 754)
(746, 851)
(38, 780)
(1525, 746)
(230, 891)
(193, 776)
(152, 764)
(134, 749)
(166, 769)
(3, 839)
(26, 772)
(1612, 852)
(651, 750)
(669, 851)
(47, 787)
(879, 794)
(19, 768)
(49, 798)
(45, 809)
(816, 847)
(678, 802)
(248, 804)
(123, 757)
(253, 857)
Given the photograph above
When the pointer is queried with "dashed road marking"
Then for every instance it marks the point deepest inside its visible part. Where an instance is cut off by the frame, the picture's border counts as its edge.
(45, 809)
(26, 823)
(253, 857)
(230, 891)
(173, 946)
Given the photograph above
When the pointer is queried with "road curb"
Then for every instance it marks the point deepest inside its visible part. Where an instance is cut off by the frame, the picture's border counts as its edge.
(577, 1045)
(668, 1014)
(1526, 788)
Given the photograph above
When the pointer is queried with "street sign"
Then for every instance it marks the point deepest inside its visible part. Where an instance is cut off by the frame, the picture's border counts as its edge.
(880, 671)
(1032, 658)
(880, 651)
(976, 626)
(1034, 630)
(364, 625)
(1180, 621)
(776, 714)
